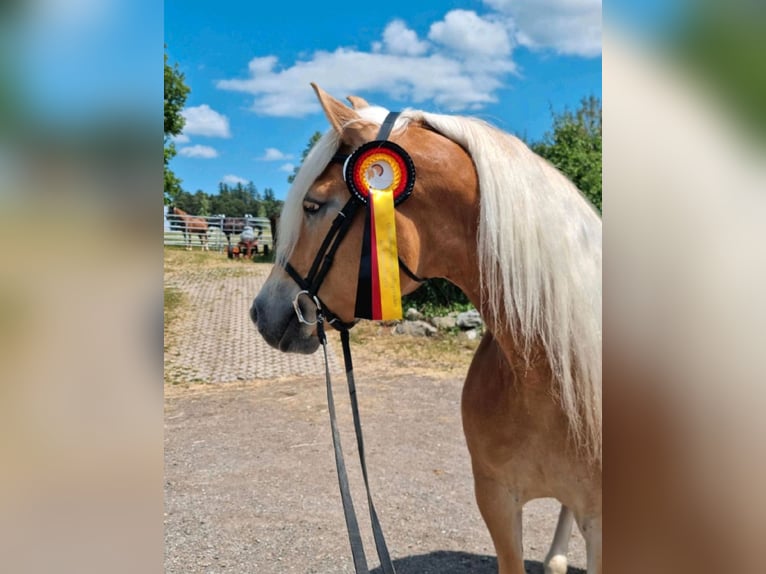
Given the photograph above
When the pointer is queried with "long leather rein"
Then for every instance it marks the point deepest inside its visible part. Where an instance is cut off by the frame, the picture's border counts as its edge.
(310, 285)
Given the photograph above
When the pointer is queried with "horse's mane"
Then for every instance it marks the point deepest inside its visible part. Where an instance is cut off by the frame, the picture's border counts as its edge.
(539, 247)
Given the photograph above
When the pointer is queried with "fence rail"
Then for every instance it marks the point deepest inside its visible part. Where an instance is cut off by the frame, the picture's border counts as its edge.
(216, 232)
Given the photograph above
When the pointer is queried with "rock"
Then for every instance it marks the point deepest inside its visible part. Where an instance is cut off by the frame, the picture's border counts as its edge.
(444, 323)
(471, 334)
(415, 328)
(413, 314)
(469, 320)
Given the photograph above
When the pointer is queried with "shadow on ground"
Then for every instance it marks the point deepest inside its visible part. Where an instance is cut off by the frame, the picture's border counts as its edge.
(444, 562)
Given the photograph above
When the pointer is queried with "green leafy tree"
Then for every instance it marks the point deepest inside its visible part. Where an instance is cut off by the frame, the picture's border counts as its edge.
(312, 142)
(574, 147)
(236, 200)
(202, 203)
(272, 206)
(175, 98)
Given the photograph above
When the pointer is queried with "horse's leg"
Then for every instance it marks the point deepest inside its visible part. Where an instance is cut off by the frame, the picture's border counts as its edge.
(502, 515)
(187, 240)
(483, 404)
(556, 560)
(591, 530)
(590, 527)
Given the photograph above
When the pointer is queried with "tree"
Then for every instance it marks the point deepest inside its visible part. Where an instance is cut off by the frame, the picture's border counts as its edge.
(271, 205)
(203, 203)
(237, 200)
(175, 98)
(574, 147)
(312, 142)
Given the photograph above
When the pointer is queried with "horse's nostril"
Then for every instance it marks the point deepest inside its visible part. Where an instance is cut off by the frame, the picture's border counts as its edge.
(254, 313)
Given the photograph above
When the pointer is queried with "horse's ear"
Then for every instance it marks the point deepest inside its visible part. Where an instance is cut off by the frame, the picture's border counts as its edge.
(346, 122)
(357, 103)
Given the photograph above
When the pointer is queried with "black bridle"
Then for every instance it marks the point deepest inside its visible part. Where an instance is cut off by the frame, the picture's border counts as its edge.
(323, 260)
(325, 256)
(310, 285)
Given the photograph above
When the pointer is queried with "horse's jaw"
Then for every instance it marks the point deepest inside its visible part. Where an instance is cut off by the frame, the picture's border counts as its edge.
(278, 324)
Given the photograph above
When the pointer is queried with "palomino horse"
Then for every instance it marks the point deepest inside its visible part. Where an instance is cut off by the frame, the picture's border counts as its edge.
(191, 225)
(525, 247)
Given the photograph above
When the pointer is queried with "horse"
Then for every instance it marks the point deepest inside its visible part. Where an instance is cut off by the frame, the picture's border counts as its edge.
(525, 246)
(190, 225)
(234, 226)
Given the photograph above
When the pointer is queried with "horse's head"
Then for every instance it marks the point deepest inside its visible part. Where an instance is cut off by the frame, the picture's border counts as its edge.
(429, 218)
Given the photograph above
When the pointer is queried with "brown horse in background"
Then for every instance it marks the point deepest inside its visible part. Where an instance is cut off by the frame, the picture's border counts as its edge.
(191, 224)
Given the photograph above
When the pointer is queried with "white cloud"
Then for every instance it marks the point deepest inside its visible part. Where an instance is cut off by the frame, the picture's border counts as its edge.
(287, 168)
(399, 39)
(273, 154)
(465, 60)
(200, 151)
(571, 27)
(204, 121)
(180, 139)
(466, 32)
(234, 180)
(452, 75)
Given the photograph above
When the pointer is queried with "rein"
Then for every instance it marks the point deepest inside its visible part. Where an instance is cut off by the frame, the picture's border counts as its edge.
(310, 288)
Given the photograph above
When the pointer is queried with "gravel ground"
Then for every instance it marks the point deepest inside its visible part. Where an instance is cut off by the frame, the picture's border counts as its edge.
(250, 483)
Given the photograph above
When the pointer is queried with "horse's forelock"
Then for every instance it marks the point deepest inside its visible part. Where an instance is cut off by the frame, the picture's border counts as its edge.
(292, 211)
(312, 167)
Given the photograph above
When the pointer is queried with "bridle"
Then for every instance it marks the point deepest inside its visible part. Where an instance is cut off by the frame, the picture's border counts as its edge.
(325, 256)
(310, 285)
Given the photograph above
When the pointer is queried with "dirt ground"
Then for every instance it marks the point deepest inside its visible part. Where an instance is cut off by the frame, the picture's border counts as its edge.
(250, 483)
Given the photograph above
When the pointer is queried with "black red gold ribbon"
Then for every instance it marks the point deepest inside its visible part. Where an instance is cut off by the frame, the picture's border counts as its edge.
(381, 175)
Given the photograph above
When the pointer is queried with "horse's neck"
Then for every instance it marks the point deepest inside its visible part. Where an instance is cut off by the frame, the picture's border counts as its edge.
(457, 260)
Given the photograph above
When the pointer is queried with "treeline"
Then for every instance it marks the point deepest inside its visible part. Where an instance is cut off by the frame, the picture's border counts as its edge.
(232, 200)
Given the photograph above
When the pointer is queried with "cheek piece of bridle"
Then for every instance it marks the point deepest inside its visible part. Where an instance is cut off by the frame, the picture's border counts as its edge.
(309, 288)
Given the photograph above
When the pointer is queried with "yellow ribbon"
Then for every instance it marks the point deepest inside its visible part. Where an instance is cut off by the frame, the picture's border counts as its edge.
(384, 223)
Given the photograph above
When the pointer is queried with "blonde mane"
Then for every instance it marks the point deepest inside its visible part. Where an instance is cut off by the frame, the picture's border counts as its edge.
(539, 249)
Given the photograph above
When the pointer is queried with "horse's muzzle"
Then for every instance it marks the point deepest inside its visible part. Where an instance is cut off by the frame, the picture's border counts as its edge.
(278, 324)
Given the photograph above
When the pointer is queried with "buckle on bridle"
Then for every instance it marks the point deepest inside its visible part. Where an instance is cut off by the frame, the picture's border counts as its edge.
(297, 308)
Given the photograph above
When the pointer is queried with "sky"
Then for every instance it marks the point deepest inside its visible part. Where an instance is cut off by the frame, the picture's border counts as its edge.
(251, 110)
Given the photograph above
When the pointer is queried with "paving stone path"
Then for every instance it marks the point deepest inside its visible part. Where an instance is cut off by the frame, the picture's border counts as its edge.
(214, 340)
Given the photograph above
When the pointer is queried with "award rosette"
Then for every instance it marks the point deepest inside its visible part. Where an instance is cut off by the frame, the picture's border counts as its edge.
(381, 175)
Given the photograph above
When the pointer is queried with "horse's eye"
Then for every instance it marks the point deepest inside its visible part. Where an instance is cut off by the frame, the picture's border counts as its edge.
(311, 207)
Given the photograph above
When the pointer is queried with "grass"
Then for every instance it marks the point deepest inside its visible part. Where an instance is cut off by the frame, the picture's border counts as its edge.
(172, 305)
(179, 260)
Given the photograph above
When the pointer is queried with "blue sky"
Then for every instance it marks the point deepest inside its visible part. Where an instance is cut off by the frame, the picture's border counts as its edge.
(251, 110)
